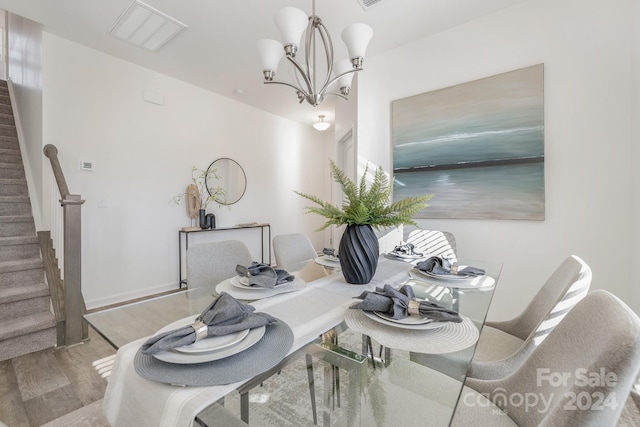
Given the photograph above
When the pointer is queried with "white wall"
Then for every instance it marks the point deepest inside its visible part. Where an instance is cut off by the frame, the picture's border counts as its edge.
(143, 154)
(24, 43)
(635, 152)
(586, 48)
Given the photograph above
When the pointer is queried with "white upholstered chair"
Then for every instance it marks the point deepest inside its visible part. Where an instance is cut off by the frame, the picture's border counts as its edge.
(433, 243)
(580, 375)
(210, 263)
(293, 251)
(601, 334)
(503, 346)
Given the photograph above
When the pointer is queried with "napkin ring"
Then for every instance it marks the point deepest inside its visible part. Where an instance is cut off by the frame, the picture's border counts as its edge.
(414, 307)
(201, 329)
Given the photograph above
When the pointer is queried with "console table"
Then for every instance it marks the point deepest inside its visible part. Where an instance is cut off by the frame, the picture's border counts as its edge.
(261, 227)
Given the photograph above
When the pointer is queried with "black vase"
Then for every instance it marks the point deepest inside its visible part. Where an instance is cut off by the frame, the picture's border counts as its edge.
(203, 219)
(359, 252)
(211, 221)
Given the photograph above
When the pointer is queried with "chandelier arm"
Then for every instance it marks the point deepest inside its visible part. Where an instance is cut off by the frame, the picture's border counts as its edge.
(337, 94)
(301, 71)
(328, 50)
(338, 77)
(309, 46)
(287, 84)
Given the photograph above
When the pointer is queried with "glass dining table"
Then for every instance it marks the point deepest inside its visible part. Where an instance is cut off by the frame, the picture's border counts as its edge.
(376, 372)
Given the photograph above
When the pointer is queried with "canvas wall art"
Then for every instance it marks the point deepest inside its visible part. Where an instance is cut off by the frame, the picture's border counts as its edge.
(477, 146)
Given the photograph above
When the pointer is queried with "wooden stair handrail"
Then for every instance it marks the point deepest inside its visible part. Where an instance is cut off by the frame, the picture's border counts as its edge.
(52, 153)
(74, 309)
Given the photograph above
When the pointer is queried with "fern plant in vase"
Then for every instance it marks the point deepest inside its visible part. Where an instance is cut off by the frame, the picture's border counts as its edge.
(364, 209)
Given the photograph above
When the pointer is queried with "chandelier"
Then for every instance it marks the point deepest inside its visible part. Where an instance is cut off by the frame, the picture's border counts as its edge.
(292, 22)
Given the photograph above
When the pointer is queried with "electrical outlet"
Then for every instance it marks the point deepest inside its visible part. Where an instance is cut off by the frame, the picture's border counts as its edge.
(102, 202)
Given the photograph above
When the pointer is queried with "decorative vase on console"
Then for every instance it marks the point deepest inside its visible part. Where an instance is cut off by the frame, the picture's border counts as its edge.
(211, 221)
(363, 210)
(203, 219)
(198, 196)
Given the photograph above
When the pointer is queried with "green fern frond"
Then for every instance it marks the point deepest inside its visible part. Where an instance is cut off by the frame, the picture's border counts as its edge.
(362, 205)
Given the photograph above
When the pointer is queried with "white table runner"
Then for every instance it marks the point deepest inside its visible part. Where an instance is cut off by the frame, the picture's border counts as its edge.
(131, 400)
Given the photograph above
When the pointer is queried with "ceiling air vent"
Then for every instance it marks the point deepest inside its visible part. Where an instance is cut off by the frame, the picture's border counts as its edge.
(366, 4)
(146, 27)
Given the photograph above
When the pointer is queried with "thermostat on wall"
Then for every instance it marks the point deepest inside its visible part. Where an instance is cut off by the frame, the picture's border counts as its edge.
(87, 165)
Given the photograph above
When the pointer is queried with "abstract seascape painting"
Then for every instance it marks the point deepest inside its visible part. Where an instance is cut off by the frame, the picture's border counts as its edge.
(478, 147)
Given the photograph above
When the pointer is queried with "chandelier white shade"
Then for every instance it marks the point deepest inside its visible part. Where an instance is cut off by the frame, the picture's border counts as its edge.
(309, 83)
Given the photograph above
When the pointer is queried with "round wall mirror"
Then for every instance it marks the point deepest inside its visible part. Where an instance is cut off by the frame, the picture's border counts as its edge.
(226, 181)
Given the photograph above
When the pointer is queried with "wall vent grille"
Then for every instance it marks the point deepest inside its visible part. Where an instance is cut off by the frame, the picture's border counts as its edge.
(366, 4)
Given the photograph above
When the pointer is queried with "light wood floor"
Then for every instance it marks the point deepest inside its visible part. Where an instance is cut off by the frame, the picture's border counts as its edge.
(40, 387)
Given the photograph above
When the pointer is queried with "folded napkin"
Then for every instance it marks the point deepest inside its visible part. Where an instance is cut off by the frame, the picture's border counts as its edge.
(263, 275)
(225, 315)
(398, 304)
(443, 267)
(405, 249)
(330, 252)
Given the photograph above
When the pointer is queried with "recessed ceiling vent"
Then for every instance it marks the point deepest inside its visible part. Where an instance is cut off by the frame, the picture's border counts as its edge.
(146, 27)
(366, 4)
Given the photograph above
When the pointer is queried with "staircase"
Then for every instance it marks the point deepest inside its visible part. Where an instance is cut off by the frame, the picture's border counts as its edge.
(26, 322)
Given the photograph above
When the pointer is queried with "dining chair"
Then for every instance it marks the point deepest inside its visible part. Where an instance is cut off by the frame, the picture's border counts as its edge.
(210, 263)
(433, 243)
(504, 345)
(293, 251)
(580, 375)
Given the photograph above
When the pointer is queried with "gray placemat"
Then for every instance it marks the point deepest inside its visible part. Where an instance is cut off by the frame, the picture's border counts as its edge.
(448, 338)
(262, 356)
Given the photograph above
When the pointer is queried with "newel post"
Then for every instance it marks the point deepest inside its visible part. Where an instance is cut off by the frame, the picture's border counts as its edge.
(74, 307)
(73, 301)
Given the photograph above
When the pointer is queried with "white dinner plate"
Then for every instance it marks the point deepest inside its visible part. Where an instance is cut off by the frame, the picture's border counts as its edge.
(464, 282)
(405, 256)
(445, 276)
(395, 324)
(205, 345)
(243, 283)
(209, 344)
(253, 293)
(183, 358)
(409, 320)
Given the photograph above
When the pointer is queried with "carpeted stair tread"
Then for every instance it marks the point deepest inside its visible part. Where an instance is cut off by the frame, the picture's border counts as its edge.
(11, 170)
(12, 181)
(13, 187)
(20, 265)
(16, 218)
(24, 292)
(15, 205)
(10, 328)
(10, 156)
(17, 225)
(6, 118)
(18, 240)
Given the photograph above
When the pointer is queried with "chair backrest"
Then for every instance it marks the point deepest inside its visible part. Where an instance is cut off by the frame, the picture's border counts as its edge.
(580, 375)
(562, 291)
(434, 243)
(567, 285)
(210, 263)
(293, 251)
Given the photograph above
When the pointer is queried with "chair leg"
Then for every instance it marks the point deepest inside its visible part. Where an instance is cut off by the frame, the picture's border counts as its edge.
(336, 384)
(312, 388)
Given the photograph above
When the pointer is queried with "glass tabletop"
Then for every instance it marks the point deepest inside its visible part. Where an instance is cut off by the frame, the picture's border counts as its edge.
(373, 393)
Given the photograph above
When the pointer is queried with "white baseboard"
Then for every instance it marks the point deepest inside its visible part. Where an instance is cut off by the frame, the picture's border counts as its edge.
(128, 296)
